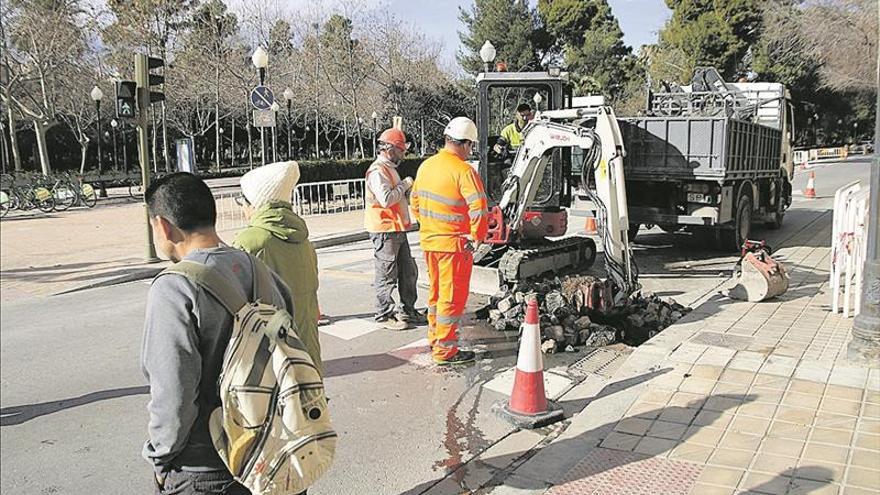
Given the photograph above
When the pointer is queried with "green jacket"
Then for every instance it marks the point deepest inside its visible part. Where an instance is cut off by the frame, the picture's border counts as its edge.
(280, 238)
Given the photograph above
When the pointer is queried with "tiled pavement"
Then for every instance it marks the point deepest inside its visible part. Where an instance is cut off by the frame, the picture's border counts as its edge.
(750, 398)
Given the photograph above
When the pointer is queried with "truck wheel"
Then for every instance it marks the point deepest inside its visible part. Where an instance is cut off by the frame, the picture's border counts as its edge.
(632, 232)
(776, 221)
(732, 240)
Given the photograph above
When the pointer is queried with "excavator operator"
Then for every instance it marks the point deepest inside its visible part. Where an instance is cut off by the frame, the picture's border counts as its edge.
(511, 136)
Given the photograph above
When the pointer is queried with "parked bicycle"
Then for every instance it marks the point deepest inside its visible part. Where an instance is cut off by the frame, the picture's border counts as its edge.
(27, 195)
(26, 191)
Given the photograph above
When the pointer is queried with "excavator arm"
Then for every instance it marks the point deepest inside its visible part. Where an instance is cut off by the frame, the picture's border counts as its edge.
(595, 131)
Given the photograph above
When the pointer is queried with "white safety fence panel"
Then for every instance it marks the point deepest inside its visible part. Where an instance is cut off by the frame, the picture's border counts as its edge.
(311, 199)
(848, 247)
(319, 198)
(230, 216)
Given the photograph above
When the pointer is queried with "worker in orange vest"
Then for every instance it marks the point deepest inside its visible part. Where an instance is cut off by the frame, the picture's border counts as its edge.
(387, 220)
(449, 202)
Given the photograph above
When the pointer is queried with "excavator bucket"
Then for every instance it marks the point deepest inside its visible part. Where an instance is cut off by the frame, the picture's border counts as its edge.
(760, 278)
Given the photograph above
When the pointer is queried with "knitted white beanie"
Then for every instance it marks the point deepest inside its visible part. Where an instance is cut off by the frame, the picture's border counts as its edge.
(272, 182)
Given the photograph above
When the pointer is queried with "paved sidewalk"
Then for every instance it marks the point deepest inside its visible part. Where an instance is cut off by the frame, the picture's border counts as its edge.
(60, 252)
(735, 398)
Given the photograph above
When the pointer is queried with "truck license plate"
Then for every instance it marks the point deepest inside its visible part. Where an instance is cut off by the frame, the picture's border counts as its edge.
(695, 198)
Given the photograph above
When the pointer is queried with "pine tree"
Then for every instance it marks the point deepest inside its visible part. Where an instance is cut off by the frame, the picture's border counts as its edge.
(714, 33)
(509, 25)
(588, 39)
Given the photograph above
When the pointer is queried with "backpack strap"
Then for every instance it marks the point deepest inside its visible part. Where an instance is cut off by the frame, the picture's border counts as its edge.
(263, 282)
(212, 281)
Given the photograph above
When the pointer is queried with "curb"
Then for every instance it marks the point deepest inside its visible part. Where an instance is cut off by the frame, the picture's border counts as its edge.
(140, 274)
(339, 239)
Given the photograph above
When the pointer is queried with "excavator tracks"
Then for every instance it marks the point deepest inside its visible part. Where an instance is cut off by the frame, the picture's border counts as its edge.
(523, 263)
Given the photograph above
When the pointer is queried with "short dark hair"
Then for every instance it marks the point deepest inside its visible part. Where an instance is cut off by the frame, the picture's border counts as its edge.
(184, 200)
(524, 107)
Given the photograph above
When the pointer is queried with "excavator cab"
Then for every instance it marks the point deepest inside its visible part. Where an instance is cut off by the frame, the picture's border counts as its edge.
(498, 95)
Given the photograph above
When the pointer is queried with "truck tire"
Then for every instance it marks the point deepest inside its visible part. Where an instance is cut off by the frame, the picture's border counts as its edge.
(733, 239)
(632, 232)
(776, 221)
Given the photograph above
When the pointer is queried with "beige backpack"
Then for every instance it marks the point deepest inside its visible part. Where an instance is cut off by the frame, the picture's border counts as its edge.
(273, 428)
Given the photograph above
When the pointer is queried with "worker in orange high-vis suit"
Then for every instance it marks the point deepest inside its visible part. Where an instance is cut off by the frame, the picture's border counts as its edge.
(449, 202)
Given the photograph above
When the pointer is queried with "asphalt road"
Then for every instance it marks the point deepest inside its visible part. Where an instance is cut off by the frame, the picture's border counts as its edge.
(73, 398)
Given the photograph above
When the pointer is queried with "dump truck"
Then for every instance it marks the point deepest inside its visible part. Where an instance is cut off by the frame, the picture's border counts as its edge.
(712, 157)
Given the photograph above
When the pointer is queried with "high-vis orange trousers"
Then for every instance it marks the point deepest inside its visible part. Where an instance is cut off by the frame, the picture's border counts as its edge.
(450, 278)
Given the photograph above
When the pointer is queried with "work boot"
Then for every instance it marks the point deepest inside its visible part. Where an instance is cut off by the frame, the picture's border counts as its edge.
(389, 323)
(460, 358)
(413, 318)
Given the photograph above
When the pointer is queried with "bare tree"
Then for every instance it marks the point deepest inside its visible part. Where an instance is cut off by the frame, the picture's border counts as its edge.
(840, 35)
(46, 42)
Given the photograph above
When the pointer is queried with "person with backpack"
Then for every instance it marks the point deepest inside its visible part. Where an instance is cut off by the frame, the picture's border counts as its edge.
(280, 238)
(218, 311)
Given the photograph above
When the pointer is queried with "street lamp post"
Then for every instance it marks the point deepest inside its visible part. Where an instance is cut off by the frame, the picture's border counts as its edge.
(275, 108)
(220, 132)
(288, 97)
(97, 95)
(113, 125)
(487, 55)
(375, 117)
(260, 58)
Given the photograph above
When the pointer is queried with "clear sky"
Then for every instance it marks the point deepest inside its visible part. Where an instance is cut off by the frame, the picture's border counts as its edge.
(640, 20)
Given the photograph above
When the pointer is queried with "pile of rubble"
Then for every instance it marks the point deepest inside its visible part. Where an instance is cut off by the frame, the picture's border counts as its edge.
(577, 310)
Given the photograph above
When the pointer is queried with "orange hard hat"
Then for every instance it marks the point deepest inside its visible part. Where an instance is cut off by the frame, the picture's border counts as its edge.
(394, 137)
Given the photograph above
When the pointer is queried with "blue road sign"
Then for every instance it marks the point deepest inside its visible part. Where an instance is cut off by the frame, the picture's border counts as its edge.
(262, 98)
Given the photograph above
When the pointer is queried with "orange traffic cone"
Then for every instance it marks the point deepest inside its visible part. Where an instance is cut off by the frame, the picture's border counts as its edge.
(810, 191)
(590, 226)
(528, 406)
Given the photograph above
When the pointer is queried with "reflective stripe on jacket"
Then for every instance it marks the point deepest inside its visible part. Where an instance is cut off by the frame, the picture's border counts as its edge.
(393, 216)
(449, 202)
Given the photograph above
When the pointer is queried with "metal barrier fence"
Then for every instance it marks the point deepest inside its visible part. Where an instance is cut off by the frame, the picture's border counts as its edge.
(849, 243)
(310, 199)
(317, 198)
(828, 153)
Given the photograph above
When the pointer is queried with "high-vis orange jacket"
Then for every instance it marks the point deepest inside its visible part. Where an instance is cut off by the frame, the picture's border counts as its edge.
(449, 202)
(387, 208)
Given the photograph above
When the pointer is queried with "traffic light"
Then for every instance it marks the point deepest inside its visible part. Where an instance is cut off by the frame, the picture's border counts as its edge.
(126, 99)
(155, 79)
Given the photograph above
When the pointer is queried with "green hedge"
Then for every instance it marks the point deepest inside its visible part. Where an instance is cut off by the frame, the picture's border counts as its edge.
(310, 170)
(325, 170)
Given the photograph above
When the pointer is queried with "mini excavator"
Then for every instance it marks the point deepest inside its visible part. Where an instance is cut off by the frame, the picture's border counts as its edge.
(531, 188)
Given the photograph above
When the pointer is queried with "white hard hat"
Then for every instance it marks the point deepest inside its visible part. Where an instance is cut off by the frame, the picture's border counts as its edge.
(461, 128)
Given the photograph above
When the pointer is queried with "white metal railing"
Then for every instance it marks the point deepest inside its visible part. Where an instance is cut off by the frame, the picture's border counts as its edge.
(310, 199)
(230, 216)
(849, 243)
(317, 198)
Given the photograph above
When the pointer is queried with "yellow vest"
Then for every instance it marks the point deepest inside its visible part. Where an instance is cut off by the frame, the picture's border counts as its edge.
(512, 136)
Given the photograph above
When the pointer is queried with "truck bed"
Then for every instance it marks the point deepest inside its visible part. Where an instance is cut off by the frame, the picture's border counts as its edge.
(699, 148)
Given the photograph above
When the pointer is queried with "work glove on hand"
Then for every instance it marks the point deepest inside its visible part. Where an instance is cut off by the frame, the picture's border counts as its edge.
(407, 183)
